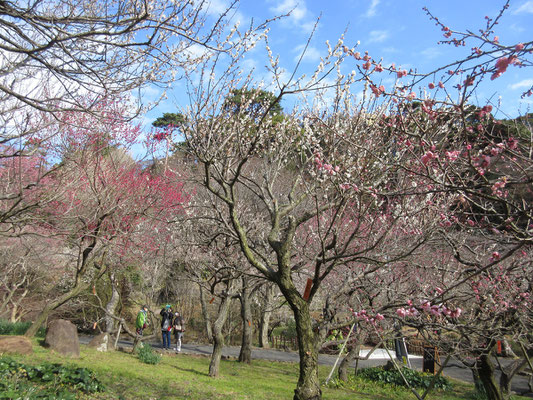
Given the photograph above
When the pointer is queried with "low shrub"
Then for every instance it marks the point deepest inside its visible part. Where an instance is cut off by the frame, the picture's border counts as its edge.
(414, 378)
(146, 354)
(17, 328)
(45, 381)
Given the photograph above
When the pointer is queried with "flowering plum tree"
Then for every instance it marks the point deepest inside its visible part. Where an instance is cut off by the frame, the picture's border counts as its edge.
(101, 199)
(480, 167)
(305, 180)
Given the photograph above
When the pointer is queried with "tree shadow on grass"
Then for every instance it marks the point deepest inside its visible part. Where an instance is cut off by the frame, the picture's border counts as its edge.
(189, 370)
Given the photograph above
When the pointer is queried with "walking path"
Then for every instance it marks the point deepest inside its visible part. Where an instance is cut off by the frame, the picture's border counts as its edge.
(379, 357)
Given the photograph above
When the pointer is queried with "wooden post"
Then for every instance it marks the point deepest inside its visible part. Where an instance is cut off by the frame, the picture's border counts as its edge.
(308, 287)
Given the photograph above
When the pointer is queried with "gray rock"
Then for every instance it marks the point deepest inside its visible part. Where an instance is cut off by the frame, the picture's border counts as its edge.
(101, 342)
(62, 336)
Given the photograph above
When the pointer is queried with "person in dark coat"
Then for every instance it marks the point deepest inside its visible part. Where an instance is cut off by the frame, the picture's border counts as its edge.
(166, 325)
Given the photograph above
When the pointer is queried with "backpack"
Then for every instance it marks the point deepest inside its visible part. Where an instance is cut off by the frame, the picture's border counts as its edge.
(141, 320)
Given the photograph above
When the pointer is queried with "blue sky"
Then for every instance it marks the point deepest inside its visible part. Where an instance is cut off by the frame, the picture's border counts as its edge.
(400, 32)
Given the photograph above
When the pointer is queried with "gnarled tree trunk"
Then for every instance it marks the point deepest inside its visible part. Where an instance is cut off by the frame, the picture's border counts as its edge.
(205, 314)
(264, 322)
(346, 361)
(308, 386)
(485, 371)
(245, 354)
(111, 305)
(218, 336)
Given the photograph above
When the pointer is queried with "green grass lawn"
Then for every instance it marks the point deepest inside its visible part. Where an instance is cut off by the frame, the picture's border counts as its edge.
(185, 377)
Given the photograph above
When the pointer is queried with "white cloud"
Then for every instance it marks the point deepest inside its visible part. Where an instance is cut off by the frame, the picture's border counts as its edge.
(378, 36)
(248, 65)
(517, 28)
(527, 7)
(151, 93)
(298, 9)
(312, 54)
(524, 84)
(372, 9)
(431, 52)
(216, 8)
(390, 50)
(299, 16)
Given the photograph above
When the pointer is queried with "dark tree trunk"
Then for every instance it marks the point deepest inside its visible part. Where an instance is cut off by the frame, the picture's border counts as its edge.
(346, 361)
(218, 345)
(485, 371)
(205, 314)
(308, 387)
(264, 322)
(245, 354)
(218, 336)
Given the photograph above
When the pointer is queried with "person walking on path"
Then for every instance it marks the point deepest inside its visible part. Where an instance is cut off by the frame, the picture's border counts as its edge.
(140, 322)
(166, 325)
(179, 328)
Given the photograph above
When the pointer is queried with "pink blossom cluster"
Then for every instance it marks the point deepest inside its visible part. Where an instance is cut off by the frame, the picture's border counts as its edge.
(452, 155)
(448, 221)
(160, 135)
(428, 308)
(428, 157)
(502, 63)
(512, 143)
(495, 256)
(401, 73)
(377, 90)
(485, 111)
(407, 312)
(349, 186)
(364, 316)
(497, 149)
(469, 81)
(325, 167)
(498, 186)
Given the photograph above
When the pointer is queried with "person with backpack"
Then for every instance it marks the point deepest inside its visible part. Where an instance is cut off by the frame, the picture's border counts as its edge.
(140, 322)
(166, 325)
(179, 328)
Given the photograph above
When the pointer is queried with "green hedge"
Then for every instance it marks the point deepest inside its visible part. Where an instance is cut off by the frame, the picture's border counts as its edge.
(415, 378)
(18, 328)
